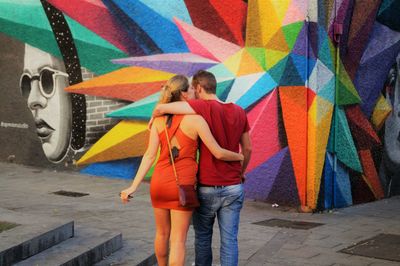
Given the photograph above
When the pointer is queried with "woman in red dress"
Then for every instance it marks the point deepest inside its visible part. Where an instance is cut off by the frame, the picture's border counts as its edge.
(172, 220)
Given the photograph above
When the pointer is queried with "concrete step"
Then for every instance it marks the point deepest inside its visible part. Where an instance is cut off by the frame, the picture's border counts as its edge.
(32, 235)
(87, 247)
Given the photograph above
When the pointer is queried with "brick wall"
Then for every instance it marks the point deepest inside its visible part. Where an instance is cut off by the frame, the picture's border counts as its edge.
(96, 108)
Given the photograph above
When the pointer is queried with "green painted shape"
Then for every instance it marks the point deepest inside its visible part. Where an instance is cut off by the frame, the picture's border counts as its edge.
(258, 53)
(223, 89)
(291, 33)
(141, 110)
(149, 173)
(346, 96)
(29, 35)
(344, 145)
(346, 92)
(27, 21)
(277, 71)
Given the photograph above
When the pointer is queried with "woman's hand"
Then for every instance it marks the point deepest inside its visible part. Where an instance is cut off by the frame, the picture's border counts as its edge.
(241, 157)
(126, 194)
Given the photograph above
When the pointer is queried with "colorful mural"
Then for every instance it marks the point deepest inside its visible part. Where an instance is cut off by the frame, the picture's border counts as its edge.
(319, 81)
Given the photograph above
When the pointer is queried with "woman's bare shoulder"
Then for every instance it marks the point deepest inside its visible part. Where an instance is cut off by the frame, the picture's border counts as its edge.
(192, 118)
(158, 122)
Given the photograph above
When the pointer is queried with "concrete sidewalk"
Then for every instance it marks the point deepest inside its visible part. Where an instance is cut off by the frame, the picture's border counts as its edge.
(29, 190)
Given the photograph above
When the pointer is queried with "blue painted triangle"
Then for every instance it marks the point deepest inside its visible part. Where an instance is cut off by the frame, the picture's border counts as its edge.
(291, 76)
(327, 184)
(163, 32)
(261, 88)
(304, 65)
(342, 188)
(125, 168)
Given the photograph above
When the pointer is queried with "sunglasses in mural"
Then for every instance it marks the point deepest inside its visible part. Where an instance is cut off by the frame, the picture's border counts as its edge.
(46, 78)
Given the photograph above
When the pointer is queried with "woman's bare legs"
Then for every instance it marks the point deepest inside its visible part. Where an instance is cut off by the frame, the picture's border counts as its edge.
(180, 221)
(163, 228)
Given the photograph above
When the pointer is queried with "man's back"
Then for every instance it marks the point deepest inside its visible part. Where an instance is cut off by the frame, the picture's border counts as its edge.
(227, 122)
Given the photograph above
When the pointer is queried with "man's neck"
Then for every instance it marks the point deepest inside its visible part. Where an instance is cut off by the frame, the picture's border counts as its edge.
(210, 97)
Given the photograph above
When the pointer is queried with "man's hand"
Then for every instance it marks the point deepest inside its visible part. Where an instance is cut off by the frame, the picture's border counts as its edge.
(157, 111)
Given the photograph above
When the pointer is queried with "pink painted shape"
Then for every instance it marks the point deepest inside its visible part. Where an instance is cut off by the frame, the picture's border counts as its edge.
(264, 133)
(205, 44)
(94, 15)
(296, 12)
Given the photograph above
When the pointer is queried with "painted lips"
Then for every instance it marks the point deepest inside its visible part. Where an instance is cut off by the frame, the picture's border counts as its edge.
(43, 129)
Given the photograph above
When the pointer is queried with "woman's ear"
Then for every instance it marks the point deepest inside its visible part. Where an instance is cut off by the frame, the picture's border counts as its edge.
(184, 95)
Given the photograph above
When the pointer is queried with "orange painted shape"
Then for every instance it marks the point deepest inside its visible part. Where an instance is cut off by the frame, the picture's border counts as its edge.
(294, 111)
(370, 175)
(248, 65)
(130, 92)
(278, 42)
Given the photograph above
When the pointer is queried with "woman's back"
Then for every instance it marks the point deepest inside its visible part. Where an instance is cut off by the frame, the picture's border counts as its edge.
(163, 188)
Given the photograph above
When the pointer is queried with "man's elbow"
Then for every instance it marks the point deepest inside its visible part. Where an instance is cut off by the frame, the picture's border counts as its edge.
(247, 150)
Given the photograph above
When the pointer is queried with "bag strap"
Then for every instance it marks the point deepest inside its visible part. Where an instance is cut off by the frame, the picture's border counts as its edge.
(170, 152)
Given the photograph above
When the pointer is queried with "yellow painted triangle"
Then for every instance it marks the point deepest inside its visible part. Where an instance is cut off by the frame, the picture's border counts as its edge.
(278, 42)
(127, 75)
(272, 57)
(262, 23)
(381, 111)
(233, 62)
(253, 25)
(248, 65)
(126, 139)
(319, 122)
(281, 8)
(270, 21)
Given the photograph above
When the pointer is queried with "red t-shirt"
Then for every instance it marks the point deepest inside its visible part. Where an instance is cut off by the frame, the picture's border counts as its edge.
(227, 122)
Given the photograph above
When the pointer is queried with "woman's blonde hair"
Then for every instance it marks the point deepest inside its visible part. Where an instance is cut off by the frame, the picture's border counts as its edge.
(172, 90)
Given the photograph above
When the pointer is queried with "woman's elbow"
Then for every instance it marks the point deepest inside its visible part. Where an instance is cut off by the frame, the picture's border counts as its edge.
(149, 157)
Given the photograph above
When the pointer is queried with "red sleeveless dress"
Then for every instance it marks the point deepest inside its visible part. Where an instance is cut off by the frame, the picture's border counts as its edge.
(163, 187)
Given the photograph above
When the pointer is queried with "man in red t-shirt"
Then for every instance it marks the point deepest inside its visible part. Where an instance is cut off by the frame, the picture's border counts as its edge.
(220, 183)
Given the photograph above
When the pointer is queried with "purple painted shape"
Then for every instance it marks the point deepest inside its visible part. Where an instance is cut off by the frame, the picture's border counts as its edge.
(261, 179)
(306, 35)
(185, 64)
(284, 191)
(343, 10)
(376, 69)
(381, 39)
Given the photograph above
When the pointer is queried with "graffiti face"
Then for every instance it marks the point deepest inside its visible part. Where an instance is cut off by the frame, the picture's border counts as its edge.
(392, 125)
(42, 83)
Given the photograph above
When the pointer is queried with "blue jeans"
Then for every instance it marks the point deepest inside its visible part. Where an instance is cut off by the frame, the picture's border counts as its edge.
(224, 203)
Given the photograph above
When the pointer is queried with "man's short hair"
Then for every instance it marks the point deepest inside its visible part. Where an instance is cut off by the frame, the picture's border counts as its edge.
(206, 80)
